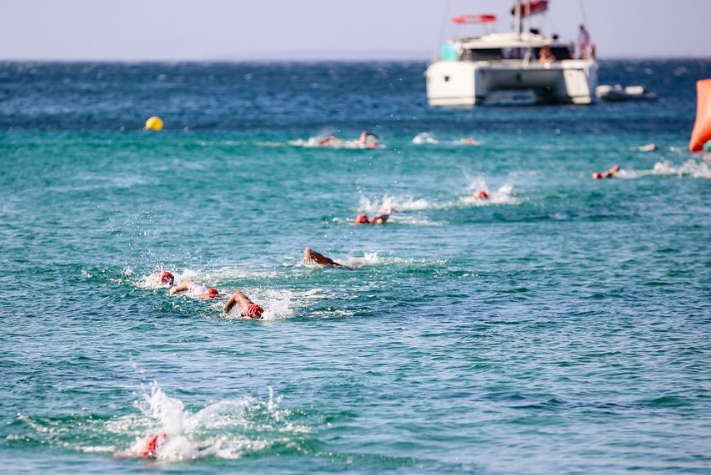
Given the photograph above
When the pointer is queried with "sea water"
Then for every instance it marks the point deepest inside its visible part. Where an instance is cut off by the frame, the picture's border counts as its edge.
(562, 326)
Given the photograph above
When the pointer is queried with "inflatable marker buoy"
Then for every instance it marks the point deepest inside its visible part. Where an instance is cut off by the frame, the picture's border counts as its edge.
(702, 127)
(154, 123)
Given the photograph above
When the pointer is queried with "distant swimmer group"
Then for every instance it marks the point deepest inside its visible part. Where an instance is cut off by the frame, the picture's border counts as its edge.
(199, 291)
(246, 306)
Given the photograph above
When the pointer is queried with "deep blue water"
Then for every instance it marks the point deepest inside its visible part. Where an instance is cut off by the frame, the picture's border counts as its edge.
(560, 327)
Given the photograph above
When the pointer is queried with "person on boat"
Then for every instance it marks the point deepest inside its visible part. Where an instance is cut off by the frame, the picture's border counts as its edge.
(583, 43)
(379, 219)
(248, 308)
(545, 55)
(313, 257)
(162, 278)
(609, 173)
(195, 290)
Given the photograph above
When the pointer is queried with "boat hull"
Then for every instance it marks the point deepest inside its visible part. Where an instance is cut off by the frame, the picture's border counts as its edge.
(467, 83)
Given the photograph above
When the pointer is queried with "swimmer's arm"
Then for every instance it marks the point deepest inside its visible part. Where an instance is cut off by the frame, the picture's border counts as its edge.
(237, 298)
(231, 302)
(380, 219)
(181, 287)
(365, 134)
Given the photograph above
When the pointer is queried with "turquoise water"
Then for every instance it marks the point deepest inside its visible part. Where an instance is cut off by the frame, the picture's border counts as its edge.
(561, 327)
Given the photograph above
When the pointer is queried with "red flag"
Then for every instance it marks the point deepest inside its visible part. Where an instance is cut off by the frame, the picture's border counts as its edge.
(531, 7)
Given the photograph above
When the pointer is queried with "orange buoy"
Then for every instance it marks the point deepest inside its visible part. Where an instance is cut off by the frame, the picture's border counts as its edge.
(702, 127)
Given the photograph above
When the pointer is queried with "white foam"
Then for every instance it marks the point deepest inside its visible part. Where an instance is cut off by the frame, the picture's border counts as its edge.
(390, 204)
(425, 138)
(152, 280)
(693, 168)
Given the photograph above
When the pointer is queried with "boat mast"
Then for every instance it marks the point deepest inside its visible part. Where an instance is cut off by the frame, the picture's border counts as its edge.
(517, 19)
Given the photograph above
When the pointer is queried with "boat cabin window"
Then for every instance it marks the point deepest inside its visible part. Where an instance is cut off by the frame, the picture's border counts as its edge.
(482, 54)
(560, 52)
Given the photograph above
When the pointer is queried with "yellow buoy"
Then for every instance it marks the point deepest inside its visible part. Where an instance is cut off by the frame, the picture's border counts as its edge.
(154, 123)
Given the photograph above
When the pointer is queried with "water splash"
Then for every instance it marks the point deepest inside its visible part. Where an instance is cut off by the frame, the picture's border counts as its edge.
(425, 138)
(315, 142)
(389, 204)
(227, 429)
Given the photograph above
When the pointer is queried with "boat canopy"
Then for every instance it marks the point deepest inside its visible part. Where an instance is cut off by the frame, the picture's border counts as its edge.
(505, 40)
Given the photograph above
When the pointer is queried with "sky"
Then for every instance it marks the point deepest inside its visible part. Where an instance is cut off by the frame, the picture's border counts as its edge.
(224, 30)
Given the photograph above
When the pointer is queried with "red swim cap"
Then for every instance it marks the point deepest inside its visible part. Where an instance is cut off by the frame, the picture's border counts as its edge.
(152, 443)
(166, 278)
(362, 219)
(211, 293)
(597, 176)
(253, 311)
(481, 195)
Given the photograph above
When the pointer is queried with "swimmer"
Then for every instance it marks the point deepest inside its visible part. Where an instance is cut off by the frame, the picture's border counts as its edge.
(249, 308)
(330, 140)
(151, 446)
(650, 147)
(609, 173)
(161, 278)
(195, 289)
(379, 219)
(481, 195)
(313, 257)
(363, 140)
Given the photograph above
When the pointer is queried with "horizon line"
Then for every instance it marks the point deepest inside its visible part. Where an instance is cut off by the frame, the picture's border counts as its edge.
(382, 59)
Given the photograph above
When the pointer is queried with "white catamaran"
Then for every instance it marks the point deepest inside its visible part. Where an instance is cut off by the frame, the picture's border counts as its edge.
(469, 69)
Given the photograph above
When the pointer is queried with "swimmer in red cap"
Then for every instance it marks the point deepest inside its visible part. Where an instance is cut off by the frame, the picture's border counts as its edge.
(162, 278)
(607, 173)
(152, 445)
(379, 219)
(481, 195)
(313, 257)
(195, 289)
(249, 308)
